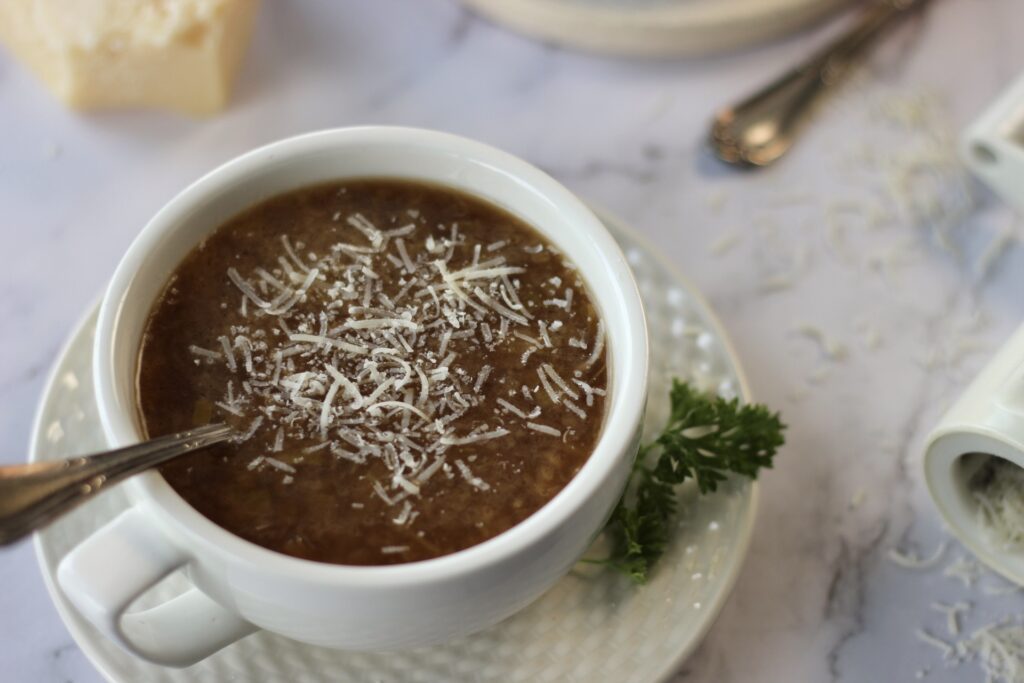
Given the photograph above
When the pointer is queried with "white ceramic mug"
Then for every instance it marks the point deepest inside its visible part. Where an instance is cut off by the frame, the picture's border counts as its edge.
(240, 587)
(988, 419)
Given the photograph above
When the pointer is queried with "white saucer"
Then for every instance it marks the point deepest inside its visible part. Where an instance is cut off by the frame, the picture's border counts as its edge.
(592, 626)
(656, 28)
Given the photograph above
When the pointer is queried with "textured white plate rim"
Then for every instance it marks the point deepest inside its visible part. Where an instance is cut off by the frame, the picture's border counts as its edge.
(747, 529)
(87, 641)
(71, 619)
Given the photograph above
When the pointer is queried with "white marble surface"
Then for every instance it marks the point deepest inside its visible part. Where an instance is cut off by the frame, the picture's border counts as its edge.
(899, 277)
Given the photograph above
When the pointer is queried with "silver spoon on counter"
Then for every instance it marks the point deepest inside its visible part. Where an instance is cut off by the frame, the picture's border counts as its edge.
(761, 128)
(35, 494)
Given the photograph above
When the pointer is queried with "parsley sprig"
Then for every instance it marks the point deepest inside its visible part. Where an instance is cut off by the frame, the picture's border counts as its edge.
(706, 439)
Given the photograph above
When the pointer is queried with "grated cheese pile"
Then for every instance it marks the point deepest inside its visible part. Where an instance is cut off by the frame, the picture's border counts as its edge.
(1000, 650)
(997, 486)
(997, 647)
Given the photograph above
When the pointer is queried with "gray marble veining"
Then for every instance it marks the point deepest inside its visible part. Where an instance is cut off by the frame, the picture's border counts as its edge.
(868, 233)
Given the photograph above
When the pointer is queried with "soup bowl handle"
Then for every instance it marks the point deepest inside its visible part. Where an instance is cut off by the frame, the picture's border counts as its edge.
(108, 571)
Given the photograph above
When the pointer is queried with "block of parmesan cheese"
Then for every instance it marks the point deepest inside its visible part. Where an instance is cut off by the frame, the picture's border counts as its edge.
(172, 54)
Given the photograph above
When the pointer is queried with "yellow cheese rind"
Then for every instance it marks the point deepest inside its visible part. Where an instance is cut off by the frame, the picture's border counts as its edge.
(95, 54)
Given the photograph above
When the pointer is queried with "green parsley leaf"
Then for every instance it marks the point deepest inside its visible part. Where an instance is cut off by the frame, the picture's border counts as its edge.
(707, 438)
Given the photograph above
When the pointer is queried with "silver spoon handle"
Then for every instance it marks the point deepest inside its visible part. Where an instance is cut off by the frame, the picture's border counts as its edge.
(760, 129)
(33, 495)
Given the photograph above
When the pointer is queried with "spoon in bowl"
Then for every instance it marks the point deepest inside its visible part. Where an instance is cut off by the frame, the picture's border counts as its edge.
(35, 494)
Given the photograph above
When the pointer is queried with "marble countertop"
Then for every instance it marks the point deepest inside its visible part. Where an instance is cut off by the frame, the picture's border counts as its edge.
(864, 280)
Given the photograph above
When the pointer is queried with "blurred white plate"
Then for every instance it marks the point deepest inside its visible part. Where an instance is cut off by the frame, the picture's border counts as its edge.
(593, 626)
(653, 28)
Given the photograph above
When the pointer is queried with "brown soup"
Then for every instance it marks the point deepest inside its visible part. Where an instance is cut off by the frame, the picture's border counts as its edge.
(410, 371)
